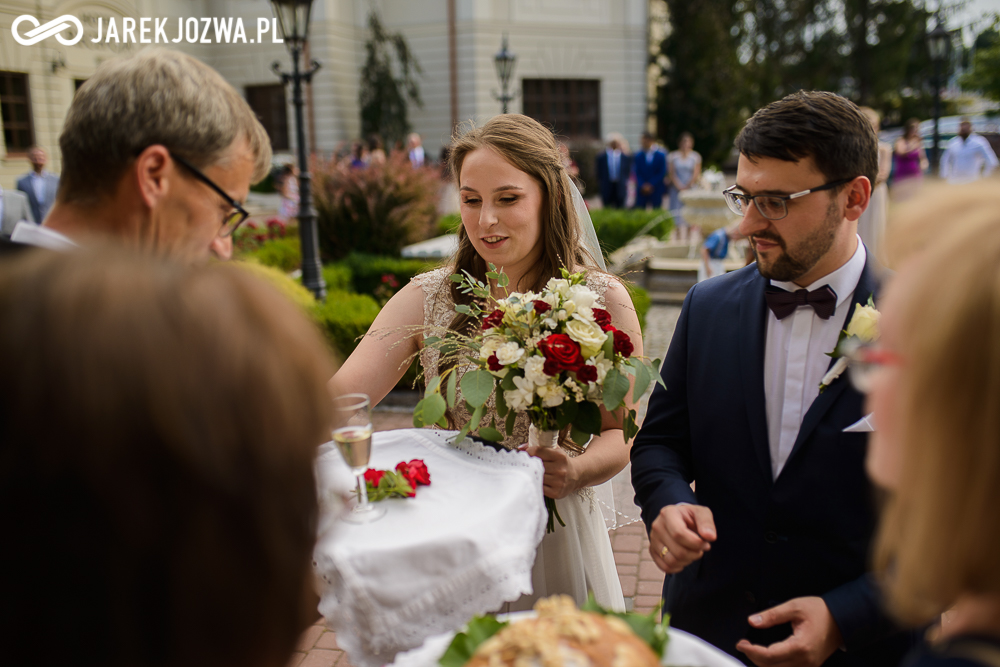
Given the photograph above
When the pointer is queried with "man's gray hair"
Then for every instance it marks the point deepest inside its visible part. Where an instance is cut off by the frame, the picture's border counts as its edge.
(156, 96)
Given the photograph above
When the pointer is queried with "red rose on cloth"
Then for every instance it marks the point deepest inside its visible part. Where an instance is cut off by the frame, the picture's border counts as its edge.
(602, 317)
(623, 344)
(541, 307)
(415, 472)
(494, 319)
(494, 363)
(586, 374)
(562, 350)
(373, 476)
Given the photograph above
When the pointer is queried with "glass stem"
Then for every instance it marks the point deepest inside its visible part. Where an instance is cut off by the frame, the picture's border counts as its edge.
(362, 493)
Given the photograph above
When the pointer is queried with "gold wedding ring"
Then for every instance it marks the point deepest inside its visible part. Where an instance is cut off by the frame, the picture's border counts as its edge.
(664, 551)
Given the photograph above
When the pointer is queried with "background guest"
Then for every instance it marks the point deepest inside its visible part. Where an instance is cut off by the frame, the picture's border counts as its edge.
(934, 382)
(571, 167)
(684, 167)
(376, 152)
(415, 148)
(715, 249)
(14, 208)
(968, 156)
(871, 224)
(613, 168)
(287, 184)
(909, 162)
(39, 185)
(650, 173)
(156, 463)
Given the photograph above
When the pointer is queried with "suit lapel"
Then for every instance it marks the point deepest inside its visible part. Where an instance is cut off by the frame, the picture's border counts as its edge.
(867, 286)
(753, 328)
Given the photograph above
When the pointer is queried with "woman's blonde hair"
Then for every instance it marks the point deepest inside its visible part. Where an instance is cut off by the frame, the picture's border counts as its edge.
(530, 147)
(940, 531)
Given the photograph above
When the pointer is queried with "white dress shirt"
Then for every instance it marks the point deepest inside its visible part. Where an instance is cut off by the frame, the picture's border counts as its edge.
(28, 233)
(795, 358)
(967, 160)
(38, 183)
(614, 161)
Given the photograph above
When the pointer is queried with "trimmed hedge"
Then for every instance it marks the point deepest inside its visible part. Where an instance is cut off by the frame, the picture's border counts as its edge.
(295, 292)
(337, 278)
(616, 227)
(367, 270)
(344, 318)
(281, 253)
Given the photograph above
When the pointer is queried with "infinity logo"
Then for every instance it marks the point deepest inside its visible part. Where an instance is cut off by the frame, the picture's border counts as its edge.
(53, 27)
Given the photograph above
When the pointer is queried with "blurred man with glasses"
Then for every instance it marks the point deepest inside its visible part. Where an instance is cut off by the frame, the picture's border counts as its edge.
(767, 556)
(159, 152)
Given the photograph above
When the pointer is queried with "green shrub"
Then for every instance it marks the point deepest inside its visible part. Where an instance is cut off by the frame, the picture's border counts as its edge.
(377, 210)
(281, 253)
(449, 224)
(279, 279)
(616, 227)
(344, 318)
(337, 277)
(367, 270)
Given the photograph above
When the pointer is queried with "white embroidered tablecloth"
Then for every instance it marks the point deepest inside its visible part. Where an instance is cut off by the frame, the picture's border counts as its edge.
(464, 546)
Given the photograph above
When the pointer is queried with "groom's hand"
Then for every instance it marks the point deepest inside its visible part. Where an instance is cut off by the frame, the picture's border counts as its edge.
(686, 531)
(815, 635)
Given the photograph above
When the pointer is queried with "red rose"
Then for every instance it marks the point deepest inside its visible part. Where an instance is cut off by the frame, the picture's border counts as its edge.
(586, 374)
(494, 319)
(623, 345)
(561, 350)
(541, 307)
(373, 476)
(602, 317)
(494, 363)
(551, 368)
(415, 472)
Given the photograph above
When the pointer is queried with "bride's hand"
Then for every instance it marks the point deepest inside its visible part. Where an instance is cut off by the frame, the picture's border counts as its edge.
(561, 471)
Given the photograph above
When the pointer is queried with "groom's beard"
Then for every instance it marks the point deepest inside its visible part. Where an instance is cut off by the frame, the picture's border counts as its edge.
(790, 265)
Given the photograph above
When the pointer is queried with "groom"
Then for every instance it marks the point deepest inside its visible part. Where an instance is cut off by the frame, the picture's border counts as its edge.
(767, 559)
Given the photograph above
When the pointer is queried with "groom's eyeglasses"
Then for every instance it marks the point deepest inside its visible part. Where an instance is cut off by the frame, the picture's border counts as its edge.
(235, 217)
(772, 207)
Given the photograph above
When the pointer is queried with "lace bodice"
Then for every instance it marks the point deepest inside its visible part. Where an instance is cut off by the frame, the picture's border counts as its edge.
(439, 311)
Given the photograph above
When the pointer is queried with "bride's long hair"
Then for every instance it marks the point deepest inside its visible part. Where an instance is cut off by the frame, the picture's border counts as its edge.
(530, 147)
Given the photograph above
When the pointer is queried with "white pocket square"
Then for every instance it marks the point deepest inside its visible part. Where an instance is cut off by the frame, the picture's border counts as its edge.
(864, 425)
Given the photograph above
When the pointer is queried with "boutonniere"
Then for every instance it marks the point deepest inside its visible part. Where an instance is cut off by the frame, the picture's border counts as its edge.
(861, 330)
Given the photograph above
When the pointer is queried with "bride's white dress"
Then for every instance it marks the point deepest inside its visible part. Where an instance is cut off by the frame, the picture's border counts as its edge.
(575, 559)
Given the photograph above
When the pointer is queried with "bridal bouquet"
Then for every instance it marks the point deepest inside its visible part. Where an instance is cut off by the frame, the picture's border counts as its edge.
(553, 355)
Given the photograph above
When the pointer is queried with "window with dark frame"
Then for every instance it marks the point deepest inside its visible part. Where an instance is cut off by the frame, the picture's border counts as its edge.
(571, 107)
(15, 112)
(268, 102)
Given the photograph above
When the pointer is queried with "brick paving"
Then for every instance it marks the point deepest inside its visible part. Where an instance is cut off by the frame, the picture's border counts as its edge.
(641, 580)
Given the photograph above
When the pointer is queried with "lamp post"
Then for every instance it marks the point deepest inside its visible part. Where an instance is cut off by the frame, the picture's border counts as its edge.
(504, 61)
(937, 43)
(293, 21)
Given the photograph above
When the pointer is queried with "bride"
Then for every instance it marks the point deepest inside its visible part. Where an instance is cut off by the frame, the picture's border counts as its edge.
(520, 211)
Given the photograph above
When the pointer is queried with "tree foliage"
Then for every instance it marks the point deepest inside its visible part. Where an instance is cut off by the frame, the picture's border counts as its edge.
(727, 58)
(984, 75)
(388, 83)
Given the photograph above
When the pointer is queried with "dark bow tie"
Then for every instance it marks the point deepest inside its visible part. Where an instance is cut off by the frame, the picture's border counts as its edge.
(823, 300)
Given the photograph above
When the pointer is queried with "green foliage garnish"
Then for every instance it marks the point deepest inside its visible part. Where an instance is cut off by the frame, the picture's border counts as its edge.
(478, 630)
(646, 627)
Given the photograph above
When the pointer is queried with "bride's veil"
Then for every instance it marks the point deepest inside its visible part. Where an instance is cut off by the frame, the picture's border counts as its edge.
(614, 497)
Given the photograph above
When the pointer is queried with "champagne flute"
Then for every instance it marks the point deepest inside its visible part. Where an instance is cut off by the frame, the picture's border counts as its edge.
(353, 435)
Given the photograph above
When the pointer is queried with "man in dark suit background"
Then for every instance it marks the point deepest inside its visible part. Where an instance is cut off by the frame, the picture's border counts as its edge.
(614, 167)
(650, 172)
(38, 185)
(767, 557)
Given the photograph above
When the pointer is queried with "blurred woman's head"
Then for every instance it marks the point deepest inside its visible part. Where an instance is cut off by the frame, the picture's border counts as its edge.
(937, 444)
(686, 141)
(529, 147)
(157, 441)
(912, 128)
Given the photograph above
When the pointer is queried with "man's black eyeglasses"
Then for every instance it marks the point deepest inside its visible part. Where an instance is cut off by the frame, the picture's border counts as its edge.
(772, 207)
(233, 219)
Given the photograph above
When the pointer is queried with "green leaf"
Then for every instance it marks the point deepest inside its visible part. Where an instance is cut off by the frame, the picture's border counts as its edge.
(456, 278)
(503, 280)
(450, 392)
(477, 416)
(588, 418)
(616, 387)
(462, 308)
(630, 427)
(507, 381)
(657, 375)
(430, 340)
(642, 378)
(579, 437)
(645, 626)
(429, 410)
(609, 346)
(490, 433)
(478, 630)
(501, 404)
(509, 424)
(477, 387)
(432, 386)
(566, 413)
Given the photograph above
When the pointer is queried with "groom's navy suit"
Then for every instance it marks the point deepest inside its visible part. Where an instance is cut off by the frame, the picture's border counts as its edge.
(806, 533)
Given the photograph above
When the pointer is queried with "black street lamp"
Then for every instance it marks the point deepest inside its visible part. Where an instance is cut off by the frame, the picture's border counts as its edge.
(938, 41)
(504, 61)
(293, 21)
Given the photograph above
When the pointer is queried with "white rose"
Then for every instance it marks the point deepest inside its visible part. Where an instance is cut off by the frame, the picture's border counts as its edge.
(603, 366)
(520, 399)
(864, 324)
(590, 337)
(534, 370)
(551, 394)
(509, 353)
(584, 314)
(490, 345)
(582, 296)
(558, 285)
(550, 323)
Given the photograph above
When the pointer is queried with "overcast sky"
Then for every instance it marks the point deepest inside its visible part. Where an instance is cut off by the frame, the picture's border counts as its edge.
(973, 13)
